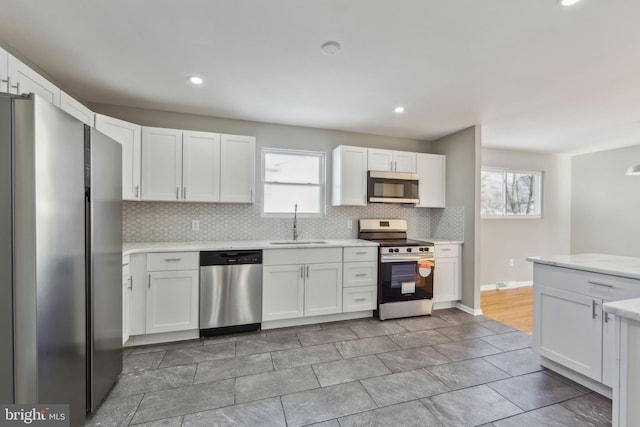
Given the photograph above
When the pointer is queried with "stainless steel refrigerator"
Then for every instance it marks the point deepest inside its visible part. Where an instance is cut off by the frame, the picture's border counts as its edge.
(60, 258)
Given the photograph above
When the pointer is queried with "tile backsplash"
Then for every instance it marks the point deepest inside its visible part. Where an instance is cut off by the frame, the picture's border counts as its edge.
(171, 222)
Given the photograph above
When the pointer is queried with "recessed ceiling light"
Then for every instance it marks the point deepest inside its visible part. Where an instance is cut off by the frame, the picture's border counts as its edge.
(196, 80)
(568, 2)
(330, 48)
(399, 110)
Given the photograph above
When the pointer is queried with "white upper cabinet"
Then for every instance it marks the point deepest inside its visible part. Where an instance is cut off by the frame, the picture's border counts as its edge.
(432, 184)
(129, 135)
(201, 166)
(391, 161)
(76, 109)
(161, 164)
(4, 59)
(237, 169)
(24, 80)
(349, 182)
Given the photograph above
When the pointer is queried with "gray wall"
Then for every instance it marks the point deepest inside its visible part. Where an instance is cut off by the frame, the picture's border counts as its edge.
(503, 239)
(605, 203)
(171, 221)
(463, 190)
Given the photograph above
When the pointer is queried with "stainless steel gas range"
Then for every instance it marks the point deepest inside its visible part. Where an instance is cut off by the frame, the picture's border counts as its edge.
(405, 269)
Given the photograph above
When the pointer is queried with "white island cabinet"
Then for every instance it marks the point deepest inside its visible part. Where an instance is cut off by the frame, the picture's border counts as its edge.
(571, 332)
(626, 388)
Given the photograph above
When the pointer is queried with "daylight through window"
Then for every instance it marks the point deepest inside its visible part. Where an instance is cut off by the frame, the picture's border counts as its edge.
(293, 177)
(510, 194)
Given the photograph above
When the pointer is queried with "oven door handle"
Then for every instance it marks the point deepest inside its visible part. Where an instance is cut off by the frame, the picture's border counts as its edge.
(385, 260)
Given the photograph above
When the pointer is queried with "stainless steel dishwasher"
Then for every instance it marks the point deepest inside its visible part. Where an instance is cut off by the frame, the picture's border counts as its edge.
(230, 291)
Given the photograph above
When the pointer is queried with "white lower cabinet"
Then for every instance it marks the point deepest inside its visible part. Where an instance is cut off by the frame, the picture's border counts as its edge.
(301, 282)
(282, 292)
(126, 296)
(360, 298)
(360, 279)
(137, 290)
(446, 278)
(570, 327)
(172, 301)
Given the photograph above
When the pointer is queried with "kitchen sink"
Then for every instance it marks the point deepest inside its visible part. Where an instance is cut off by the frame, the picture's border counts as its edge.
(298, 242)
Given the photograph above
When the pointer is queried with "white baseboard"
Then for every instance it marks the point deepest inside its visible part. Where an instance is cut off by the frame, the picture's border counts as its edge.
(510, 285)
(444, 304)
(466, 309)
(135, 340)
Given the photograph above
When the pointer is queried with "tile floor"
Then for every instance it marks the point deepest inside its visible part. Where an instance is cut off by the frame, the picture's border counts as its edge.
(449, 369)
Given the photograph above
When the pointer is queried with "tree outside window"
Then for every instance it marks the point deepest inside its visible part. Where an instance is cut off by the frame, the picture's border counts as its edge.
(510, 194)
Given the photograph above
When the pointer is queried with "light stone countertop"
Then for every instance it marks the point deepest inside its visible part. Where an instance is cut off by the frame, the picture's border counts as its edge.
(141, 247)
(629, 308)
(597, 263)
(437, 241)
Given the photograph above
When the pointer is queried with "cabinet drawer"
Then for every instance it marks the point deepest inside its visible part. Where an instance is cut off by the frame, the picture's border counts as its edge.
(594, 285)
(301, 256)
(359, 298)
(126, 269)
(361, 254)
(447, 251)
(163, 261)
(360, 274)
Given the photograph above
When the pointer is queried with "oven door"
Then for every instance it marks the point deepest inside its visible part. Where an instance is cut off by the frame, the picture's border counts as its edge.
(392, 187)
(405, 278)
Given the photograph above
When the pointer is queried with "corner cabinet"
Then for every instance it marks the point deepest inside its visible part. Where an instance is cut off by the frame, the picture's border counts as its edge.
(431, 170)
(23, 79)
(446, 278)
(129, 135)
(349, 180)
(301, 282)
(570, 329)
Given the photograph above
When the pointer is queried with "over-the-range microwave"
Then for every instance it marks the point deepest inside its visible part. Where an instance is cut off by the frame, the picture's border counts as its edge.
(392, 187)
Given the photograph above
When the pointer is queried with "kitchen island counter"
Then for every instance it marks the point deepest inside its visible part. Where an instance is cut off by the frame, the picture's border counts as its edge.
(613, 265)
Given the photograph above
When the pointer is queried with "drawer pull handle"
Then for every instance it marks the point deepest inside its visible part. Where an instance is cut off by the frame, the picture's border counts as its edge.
(361, 274)
(172, 259)
(124, 265)
(301, 271)
(360, 299)
(608, 316)
(606, 285)
(361, 253)
(445, 249)
(593, 309)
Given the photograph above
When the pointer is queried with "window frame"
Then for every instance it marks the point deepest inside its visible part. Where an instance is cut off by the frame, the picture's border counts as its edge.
(321, 155)
(504, 214)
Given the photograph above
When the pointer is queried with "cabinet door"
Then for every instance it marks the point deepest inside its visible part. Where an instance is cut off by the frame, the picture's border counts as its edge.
(25, 80)
(129, 136)
(323, 289)
(379, 160)
(237, 169)
(161, 164)
(349, 186)
(567, 328)
(4, 65)
(138, 294)
(359, 298)
(201, 166)
(76, 109)
(126, 306)
(431, 173)
(446, 280)
(609, 365)
(404, 161)
(282, 292)
(172, 301)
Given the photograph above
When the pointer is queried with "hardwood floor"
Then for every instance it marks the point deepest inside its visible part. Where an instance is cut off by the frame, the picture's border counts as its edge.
(513, 307)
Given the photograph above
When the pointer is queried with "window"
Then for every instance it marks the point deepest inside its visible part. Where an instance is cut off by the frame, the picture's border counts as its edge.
(293, 177)
(510, 194)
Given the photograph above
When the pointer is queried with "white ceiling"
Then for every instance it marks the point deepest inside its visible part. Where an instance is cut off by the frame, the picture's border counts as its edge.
(535, 75)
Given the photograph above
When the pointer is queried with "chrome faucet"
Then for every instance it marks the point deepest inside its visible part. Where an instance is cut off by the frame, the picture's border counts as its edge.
(295, 223)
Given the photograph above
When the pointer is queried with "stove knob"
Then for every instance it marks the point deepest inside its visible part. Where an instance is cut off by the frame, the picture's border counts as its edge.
(408, 249)
(421, 249)
(391, 250)
(396, 250)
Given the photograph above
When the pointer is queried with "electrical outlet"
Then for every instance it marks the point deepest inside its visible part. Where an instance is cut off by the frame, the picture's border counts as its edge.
(511, 263)
(349, 224)
(195, 225)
